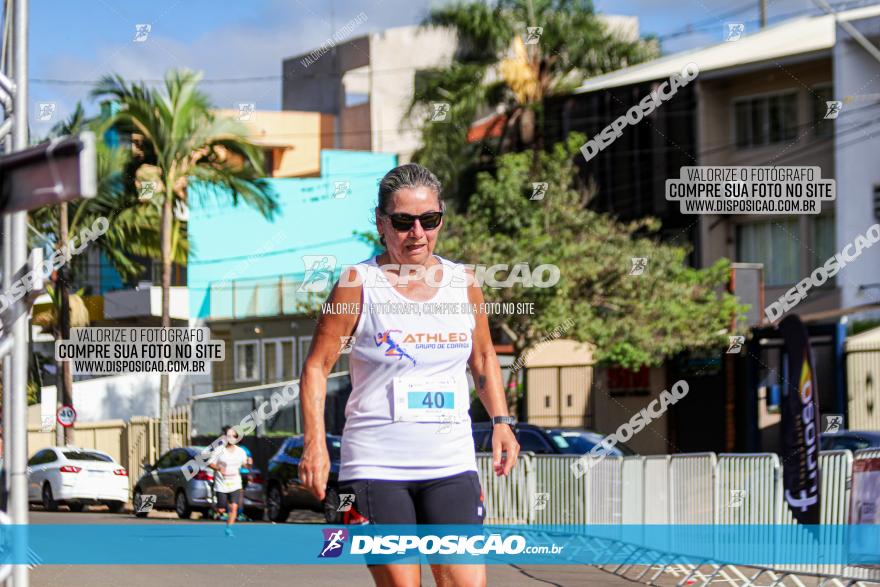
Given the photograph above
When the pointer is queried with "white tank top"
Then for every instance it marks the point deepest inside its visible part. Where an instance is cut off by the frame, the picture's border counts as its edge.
(374, 445)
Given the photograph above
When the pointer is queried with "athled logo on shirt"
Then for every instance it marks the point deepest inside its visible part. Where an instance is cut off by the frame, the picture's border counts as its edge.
(437, 340)
(422, 341)
(393, 349)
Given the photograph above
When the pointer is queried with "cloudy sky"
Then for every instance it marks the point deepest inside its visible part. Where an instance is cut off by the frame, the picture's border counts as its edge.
(74, 42)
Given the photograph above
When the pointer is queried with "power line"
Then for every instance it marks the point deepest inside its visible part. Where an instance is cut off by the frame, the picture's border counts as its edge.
(709, 24)
(338, 241)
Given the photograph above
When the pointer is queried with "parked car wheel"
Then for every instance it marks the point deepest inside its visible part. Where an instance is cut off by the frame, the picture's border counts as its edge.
(76, 506)
(115, 506)
(275, 505)
(48, 501)
(181, 505)
(331, 506)
(138, 497)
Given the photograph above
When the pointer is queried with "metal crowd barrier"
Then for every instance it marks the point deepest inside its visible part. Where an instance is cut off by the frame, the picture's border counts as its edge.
(684, 489)
(691, 488)
(656, 492)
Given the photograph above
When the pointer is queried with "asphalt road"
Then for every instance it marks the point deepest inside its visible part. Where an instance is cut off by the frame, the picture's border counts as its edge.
(263, 575)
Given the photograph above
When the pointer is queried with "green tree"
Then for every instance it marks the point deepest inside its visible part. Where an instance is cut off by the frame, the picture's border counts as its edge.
(632, 320)
(132, 229)
(178, 139)
(502, 66)
(133, 223)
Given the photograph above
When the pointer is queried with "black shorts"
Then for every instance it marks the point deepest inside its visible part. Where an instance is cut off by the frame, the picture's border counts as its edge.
(449, 500)
(231, 497)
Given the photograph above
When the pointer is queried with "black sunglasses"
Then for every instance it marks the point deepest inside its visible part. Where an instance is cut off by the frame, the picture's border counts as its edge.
(405, 222)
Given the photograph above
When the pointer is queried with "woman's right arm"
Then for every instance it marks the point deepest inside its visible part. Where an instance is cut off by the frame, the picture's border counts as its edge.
(314, 468)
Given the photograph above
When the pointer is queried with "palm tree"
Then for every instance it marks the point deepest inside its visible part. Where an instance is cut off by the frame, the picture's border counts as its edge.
(178, 139)
(511, 55)
(132, 230)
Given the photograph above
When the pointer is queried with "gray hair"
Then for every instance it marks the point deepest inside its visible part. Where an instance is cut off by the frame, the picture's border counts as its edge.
(411, 175)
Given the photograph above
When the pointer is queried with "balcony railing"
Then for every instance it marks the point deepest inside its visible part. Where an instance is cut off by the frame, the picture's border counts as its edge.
(255, 297)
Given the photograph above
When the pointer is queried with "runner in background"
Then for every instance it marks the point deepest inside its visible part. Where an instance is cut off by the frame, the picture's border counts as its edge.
(227, 466)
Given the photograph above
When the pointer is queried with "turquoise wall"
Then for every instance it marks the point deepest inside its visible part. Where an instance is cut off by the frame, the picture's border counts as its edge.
(236, 243)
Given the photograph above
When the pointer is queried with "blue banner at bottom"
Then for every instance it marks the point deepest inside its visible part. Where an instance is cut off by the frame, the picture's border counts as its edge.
(297, 544)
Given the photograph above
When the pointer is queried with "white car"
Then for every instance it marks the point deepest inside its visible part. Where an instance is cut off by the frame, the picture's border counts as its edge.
(76, 477)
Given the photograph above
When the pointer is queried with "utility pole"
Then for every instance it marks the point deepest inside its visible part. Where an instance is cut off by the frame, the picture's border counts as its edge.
(63, 169)
(6, 67)
(763, 9)
(64, 386)
(17, 436)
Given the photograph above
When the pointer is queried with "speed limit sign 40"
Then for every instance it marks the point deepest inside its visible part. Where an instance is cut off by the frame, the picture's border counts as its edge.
(66, 416)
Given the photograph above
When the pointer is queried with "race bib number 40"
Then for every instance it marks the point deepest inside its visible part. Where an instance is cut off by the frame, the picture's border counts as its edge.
(425, 399)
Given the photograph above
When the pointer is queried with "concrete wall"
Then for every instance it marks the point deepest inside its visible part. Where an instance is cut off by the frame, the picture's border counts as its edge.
(395, 56)
(382, 66)
(316, 86)
(856, 74)
(124, 396)
(610, 411)
(355, 122)
(296, 137)
(237, 243)
(143, 302)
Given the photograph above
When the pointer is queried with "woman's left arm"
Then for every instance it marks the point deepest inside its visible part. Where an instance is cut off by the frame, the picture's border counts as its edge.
(487, 376)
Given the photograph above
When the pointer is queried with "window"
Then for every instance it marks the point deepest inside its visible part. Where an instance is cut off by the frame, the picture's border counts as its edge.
(74, 455)
(42, 457)
(530, 440)
(572, 442)
(294, 448)
(481, 438)
(269, 161)
(304, 344)
(764, 120)
(823, 127)
(626, 382)
(560, 441)
(877, 202)
(179, 458)
(165, 461)
(278, 359)
(822, 228)
(247, 360)
(852, 443)
(334, 448)
(776, 244)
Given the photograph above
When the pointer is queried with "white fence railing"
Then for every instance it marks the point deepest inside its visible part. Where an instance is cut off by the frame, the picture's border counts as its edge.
(700, 488)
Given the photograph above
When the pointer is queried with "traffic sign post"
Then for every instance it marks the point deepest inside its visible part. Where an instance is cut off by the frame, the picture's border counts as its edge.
(66, 416)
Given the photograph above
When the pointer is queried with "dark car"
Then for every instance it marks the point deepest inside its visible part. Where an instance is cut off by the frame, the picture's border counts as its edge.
(547, 441)
(284, 492)
(850, 439)
(166, 480)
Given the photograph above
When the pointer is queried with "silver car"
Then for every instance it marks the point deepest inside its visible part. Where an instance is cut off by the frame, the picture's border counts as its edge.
(172, 490)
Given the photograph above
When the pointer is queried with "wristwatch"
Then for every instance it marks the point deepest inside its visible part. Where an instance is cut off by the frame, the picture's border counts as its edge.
(509, 420)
